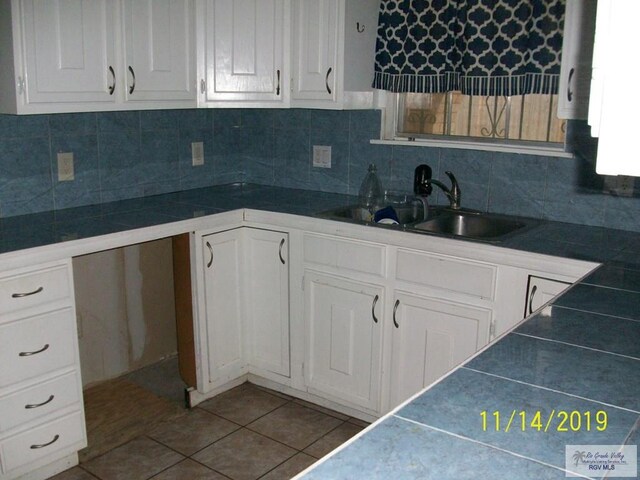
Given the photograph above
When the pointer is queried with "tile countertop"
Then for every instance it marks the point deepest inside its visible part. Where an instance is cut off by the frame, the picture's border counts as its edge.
(581, 354)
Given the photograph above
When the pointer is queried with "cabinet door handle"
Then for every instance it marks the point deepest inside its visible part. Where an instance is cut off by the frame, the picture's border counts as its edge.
(395, 309)
(211, 255)
(35, 352)
(326, 81)
(36, 405)
(27, 294)
(373, 308)
(280, 251)
(533, 292)
(203, 85)
(278, 85)
(569, 92)
(112, 87)
(42, 445)
(133, 77)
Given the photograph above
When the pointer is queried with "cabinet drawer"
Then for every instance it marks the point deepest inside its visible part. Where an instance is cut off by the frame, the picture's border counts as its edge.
(343, 254)
(448, 273)
(33, 288)
(36, 345)
(43, 441)
(36, 402)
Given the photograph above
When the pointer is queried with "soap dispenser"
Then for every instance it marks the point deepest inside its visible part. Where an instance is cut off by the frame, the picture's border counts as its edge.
(370, 189)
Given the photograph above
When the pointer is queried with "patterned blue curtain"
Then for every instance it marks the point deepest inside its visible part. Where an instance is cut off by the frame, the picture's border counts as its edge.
(480, 47)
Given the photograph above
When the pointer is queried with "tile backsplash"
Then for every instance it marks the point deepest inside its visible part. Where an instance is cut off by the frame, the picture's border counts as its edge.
(120, 155)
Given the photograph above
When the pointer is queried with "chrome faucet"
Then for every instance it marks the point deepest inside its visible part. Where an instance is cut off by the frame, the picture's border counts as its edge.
(453, 193)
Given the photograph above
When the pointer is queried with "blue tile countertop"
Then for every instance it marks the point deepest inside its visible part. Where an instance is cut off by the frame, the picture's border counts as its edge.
(582, 354)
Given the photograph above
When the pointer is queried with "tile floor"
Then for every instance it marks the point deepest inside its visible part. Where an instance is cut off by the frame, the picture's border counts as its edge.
(245, 433)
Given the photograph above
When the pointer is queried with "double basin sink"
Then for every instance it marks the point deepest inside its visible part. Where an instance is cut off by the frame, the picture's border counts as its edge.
(439, 220)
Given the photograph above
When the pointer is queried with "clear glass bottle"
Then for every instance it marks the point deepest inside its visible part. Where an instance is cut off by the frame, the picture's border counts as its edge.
(370, 189)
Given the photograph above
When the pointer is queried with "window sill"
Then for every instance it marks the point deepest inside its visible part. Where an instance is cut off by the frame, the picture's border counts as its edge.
(490, 147)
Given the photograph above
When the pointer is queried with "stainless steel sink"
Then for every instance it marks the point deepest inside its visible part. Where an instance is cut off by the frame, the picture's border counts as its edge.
(470, 224)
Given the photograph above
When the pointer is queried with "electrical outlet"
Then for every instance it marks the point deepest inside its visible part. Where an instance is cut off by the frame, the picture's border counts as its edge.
(197, 154)
(65, 167)
(322, 156)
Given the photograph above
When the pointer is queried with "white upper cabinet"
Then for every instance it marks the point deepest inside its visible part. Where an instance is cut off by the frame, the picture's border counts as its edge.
(159, 50)
(243, 47)
(92, 55)
(333, 48)
(577, 51)
(57, 54)
(612, 103)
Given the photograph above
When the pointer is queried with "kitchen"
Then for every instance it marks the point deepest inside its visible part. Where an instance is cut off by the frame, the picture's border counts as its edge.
(254, 146)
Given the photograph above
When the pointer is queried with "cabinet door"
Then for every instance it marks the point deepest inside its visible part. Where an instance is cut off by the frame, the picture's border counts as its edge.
(577, 51)
(244, 50)
(343, 339)
(69, 51)
(315, 49)
(222, 257)
(159, 50)
(540, 291)
(267, 299)
(430, 337)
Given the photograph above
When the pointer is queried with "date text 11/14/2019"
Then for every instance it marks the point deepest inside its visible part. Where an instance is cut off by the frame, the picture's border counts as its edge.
(554, 421)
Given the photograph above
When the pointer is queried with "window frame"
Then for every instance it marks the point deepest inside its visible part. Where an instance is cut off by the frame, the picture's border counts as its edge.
(389, 101)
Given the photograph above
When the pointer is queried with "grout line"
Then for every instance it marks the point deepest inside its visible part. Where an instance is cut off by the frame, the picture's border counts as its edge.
(595, 313)
(553, 390)
(584, 347)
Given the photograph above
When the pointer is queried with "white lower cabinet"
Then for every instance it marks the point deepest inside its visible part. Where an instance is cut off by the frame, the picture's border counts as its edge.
(222, 258)
(343, 348)
(430, 337)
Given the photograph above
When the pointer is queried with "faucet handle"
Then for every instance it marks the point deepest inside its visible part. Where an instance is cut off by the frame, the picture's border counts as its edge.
(455, 190)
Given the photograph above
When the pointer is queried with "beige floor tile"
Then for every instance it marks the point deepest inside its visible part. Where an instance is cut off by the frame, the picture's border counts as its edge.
(357, 421)
(193, 431)
(75, 473)
(295, 425)
(332, 440)
(290, 468)
(140, 458)
(328, 411)
(189, 470)
(244, 455)
(243, 404)
(273, 392)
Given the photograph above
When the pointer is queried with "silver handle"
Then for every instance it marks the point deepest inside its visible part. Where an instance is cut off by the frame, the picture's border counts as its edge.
(42, 445)
(203, 86)
(133, 76)
(112, 88)
(533, 292)
(36, 405)
(27, 294)
(35, 352)
(278, 86)
(395, 309)
(373, 308)
(210, 253)
(326, 81)
(358, 28)
(280, 251)
(569, 92)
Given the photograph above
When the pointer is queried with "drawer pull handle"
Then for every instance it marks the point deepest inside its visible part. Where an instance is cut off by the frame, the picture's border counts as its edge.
(42, 445)
(27, 294)
(326, 81)
(373, 308)
(28, 354)
(395, 309)
(280, 251)
(133, 76)
(533, 292)
(36, 405)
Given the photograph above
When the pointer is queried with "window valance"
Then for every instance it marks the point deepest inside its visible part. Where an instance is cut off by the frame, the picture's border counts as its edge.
(480, 47)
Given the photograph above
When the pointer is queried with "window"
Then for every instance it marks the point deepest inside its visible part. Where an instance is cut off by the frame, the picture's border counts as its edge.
(490, 119)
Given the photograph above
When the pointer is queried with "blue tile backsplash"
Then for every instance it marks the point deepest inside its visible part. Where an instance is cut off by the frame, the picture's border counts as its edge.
(121, 155)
